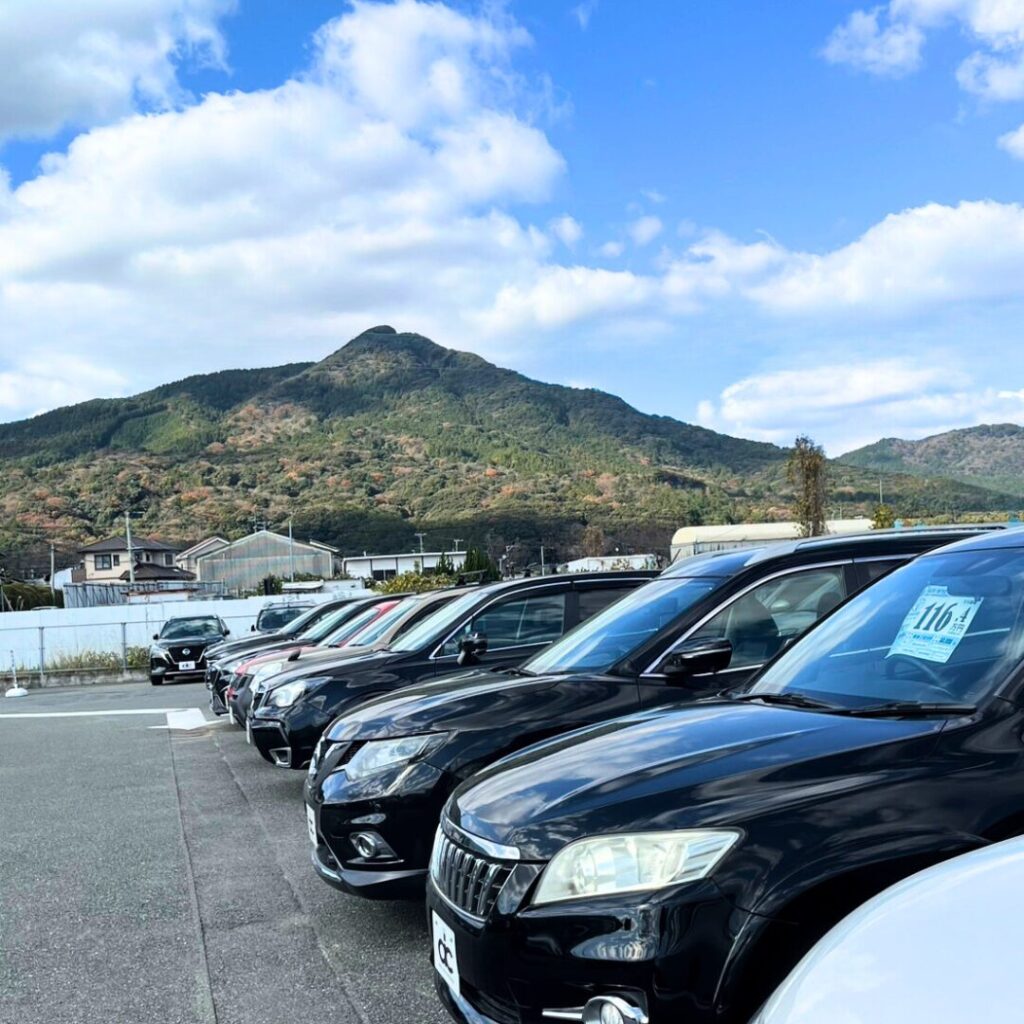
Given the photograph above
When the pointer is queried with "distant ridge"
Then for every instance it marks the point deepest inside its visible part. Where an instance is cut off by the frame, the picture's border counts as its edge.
(393, 433)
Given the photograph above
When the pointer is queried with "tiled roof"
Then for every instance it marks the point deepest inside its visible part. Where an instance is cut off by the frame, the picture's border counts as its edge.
(119, 544)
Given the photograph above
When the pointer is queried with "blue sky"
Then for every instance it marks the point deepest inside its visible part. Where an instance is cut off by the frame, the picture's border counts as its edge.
(770, 224)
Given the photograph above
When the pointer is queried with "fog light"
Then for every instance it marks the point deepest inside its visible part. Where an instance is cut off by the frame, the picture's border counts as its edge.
(370, 846)
(612, 1010)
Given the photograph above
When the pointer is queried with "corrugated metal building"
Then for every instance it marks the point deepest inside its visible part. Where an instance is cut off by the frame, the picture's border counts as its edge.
(245, 563)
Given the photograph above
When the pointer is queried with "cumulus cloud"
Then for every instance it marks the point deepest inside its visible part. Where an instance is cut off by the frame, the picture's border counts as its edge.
(844, 404)
(645, 230)
(82, 62)
(290, 215)
(888, 40)
(862, 42)
(611, 250)
(1013, 142)
(583, 12)
(567, 230)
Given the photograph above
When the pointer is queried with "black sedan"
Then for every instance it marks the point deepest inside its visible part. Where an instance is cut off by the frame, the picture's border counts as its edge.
(495, 626)
(396, 761)
(179, 649)
(672, 865)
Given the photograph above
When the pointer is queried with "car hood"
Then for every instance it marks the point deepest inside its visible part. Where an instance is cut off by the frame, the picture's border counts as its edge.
(707, 765)
(185, 641)
(250, 643)
(461, 701)
(336, 662)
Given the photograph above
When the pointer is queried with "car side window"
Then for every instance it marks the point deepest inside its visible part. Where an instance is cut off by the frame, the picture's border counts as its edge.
(760, 622)
(873, 571)
(518, 622)
(596, 599)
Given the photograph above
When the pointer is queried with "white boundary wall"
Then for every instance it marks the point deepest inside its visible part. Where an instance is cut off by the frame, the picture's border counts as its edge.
(111, 629)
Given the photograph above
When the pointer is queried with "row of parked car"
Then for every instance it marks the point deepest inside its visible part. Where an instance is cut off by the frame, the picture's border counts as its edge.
(644, 799)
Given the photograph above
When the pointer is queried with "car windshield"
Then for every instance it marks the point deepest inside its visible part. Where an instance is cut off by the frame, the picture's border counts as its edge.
(945, 629)
(275, 618)
(178, 628)
(372, 633)
(341, 636)
(620, 629)
(437, 626)
(329, 623)
(307, 621)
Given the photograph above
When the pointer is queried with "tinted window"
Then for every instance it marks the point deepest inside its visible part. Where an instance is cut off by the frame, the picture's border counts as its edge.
(943, 628)
(436, 626)
(350, 629)
(176, 628)
(519, 622)
(623, 627)
(876, 570)
(275, 618)
(593, 600)
(760, 622)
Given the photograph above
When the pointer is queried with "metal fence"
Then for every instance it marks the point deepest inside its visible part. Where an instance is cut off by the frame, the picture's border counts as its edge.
(47, 642)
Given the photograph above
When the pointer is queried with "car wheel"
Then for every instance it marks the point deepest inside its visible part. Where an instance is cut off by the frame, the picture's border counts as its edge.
(155, 681)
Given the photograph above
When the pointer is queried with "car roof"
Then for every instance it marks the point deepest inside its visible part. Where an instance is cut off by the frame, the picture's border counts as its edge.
(525, 582)
(871, 543)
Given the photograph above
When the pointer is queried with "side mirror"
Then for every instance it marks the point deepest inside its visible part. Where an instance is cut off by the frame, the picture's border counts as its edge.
(696, 658)
(471, 647)
(227, 632)
(156, 636)
(252, 629)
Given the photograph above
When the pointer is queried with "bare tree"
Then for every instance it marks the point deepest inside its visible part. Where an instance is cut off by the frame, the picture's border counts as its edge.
(593, 542)
(806, 471)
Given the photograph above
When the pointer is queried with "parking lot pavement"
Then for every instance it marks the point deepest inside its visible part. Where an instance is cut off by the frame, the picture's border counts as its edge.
(154, 875)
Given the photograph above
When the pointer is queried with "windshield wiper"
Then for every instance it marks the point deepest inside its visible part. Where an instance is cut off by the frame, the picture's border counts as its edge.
(514, 671)
(905, 708)
(796, 700)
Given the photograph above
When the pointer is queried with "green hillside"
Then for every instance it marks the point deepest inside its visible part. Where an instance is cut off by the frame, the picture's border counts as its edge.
(392, 434)
(990, 456)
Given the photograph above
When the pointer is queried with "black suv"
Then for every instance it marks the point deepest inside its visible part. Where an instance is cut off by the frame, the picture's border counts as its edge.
(179, 649)
(672, 865)
(397, 760)
(494, 626)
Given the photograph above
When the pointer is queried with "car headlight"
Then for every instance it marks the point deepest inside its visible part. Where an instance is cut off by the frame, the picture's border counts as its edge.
(285, 696)
(265, 672)
(158, 652)
(632, 863)
(381, 754)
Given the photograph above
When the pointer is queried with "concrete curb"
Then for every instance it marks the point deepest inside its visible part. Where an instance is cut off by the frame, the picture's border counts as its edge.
(74, 677)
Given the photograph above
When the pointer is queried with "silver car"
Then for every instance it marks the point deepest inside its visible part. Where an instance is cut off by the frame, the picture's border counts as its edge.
(942, 947)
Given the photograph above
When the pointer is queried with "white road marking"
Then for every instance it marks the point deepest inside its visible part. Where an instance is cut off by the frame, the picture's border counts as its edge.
(181, 719)
(93, 714)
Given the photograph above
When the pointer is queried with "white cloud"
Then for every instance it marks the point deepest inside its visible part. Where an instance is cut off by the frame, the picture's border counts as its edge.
(847, 405)
(567, 230)
(862, 42)
(611, 250)
(36, 387)
(583, 12)
(653, 195)
(645, 230)
(1013, 142)
(888, 40)
(82, 62)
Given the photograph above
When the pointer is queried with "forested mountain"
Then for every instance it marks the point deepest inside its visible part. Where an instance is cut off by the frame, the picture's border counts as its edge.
(991, 455)
(392, 434)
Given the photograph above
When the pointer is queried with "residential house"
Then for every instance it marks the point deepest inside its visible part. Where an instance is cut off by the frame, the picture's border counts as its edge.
(106, 561)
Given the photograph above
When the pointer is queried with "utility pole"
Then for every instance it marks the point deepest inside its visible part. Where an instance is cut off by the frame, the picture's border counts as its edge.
(291, 552)
(53, 592)
(881, 500)
(456, 541)
(421, 536)
(128, 539)
(542, 560)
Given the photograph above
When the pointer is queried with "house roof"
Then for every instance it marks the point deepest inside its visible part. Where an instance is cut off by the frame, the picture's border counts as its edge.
(254, 538)
(210, 544)
(158, 572)
(119, 544)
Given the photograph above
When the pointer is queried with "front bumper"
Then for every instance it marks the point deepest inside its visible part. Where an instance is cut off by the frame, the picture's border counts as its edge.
(664, 953)
(399, 807)
(286, 737)
(168, 671)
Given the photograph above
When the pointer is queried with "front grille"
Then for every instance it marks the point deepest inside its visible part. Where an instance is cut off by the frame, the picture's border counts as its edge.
(195, 654)
(469, 882)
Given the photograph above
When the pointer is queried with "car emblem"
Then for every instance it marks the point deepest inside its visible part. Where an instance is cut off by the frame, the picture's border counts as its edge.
(186, 650)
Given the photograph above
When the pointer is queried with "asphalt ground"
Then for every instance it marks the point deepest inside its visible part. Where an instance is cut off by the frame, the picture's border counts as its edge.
(155, 876)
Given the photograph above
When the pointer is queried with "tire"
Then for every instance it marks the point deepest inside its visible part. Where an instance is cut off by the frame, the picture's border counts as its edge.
(154, 681)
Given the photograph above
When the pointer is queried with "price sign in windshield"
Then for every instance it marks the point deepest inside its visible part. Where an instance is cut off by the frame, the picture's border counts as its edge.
(934, 627)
